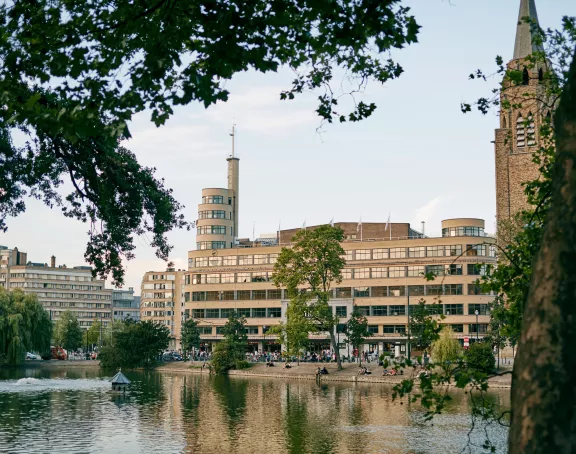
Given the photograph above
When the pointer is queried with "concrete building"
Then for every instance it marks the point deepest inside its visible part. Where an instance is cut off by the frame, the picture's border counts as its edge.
(125, 305)
(381, 277)
(517, 138)
(161, 301)
(8, 258)
(60, 288)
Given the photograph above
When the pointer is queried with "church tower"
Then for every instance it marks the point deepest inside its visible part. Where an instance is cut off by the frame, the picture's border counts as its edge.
(517, 138)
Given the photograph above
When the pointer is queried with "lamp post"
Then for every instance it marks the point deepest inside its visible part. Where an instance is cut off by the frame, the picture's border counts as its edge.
(476, 312)
(184, 316)
(264, 334)
(408, 326)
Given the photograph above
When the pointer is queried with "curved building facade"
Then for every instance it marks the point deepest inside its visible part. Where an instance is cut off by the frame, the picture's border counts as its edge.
(215, 224)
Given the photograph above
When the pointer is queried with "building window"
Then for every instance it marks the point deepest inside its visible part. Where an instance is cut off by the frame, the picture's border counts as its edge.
(348, 255)
(259, 312)
(453, 250)
(226, 313)
(416, 271)
(362, 273)
(274, 294)
(211, 230)
(434, 290)
(397, 290)
(245, 260)
(361, 292)
(453, 270)
(416, 290)
(453, 289)
(378, 254)
(373, 329)
(379, 311)
(230, 260)
(379, 272)
(198, 313)
(435, 251)
(201, 262)
(227, 295)
(213, 278)
(435, 270)
(212, 199)
(260, 276)
(258, 294)
(531, 131)
(251, 329)
(397, 271)
(457, 328)
(212, 313)
(273, 258)
(398, 253)
(198, 296)
(398, 329)
(341, 311)
(397, 310)
(274, 312)
(417, 251)
(363, 310)
(463, 231)
(482, 328)
(212, 214)
(260, 259)
(525, 77)
(243, 312)
(243, 295)
(344, 292)
(483, 309)
(520, 132)
(378, 292)
(243, 277)
(214, 261)
(206, 245)
(346, 274)
(454, 309)
(363, 254)
(475, 289)
(476, 250)
(212, 296)
(227, 278)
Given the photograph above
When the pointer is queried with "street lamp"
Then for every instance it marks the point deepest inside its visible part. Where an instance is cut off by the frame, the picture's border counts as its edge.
(408, 326)
(477, 313)
(184, 316)
(264, 333)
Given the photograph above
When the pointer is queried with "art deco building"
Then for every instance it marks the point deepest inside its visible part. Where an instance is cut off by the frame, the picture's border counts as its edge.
(382, 277)
(518, 139)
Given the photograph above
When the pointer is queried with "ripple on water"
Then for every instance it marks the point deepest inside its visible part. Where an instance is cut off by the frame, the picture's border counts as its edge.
(28, 384)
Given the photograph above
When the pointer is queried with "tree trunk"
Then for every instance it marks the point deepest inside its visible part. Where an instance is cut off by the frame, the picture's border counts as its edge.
(544, 378)
(335, 347)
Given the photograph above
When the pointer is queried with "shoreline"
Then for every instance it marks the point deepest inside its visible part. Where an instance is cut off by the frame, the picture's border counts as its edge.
(304, 371)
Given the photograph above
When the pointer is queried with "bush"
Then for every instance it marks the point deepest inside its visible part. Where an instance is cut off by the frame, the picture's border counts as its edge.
(480, 357)
(227, 356)
(242, 364)
(46, 356)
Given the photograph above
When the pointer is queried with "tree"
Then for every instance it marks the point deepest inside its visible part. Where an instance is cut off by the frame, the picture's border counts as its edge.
(94, 332)
(446, 348)
(480, 357)
(424, 329)
(135, 344)
(24, 326)
(230, 353)
(67, 331)
(357, 331)
(190, 335)
(73, 74)
(294, 333)
(314, 261)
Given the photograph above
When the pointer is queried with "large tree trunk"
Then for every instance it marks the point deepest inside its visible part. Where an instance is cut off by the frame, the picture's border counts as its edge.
(336, 350)
(544, 379)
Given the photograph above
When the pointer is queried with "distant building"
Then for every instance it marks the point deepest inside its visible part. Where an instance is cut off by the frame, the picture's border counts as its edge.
(8, 258)
(161, 301)
(59, 288)
(125, 305)
(518, 139)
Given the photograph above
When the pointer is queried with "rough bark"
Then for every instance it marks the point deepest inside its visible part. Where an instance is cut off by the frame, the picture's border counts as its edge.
(544, 379)
(336, 350)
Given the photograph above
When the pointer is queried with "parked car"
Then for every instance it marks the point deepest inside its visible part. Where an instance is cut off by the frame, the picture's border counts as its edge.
(31, 356)
(176, 357)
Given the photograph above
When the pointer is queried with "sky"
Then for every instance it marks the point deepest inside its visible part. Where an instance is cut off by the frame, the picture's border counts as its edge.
(417, 158)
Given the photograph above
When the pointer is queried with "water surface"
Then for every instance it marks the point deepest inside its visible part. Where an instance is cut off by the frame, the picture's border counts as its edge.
(72, 411)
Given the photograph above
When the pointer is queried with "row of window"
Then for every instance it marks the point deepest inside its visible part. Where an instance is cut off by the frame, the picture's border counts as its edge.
(232, 295)
(208, 245)
(233, 260)
(433, 309)
(56, 314)
(213, 230)
(58, 277)
(218, 199)
(61, 286)
(89, 296)
(214, 214)
(69, 304)
(257, 312)
(421, 251)
(463, 231)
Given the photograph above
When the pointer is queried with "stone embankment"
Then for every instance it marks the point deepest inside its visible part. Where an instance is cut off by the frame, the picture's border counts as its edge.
(307, 371)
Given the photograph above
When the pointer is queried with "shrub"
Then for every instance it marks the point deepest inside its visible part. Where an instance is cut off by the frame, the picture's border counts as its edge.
(46, 356)
(446, 349)
(480, 357)
(242, 364)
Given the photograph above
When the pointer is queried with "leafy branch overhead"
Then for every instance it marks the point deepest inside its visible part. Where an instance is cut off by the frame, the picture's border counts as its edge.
(73, 74)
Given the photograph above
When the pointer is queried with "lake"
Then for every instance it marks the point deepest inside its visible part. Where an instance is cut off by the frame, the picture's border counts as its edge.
(74, 411)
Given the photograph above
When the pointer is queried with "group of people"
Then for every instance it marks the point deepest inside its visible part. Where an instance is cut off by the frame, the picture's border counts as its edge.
(321, 371)
(364, 371)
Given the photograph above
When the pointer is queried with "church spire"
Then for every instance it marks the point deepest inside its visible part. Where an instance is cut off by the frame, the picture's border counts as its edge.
(524, 45)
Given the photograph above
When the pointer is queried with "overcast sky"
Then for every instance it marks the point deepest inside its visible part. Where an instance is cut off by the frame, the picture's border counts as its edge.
(418, 157)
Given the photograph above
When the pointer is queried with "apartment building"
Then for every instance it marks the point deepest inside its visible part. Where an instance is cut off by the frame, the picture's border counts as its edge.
(125, 305)
(61, 288)
(8, 258)
(161, 301)
(384, 273)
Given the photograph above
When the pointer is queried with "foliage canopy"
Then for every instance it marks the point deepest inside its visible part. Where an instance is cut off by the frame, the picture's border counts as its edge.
(67, 331)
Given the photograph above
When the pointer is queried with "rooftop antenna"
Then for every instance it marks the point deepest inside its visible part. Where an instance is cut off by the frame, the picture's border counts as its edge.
(232, 134)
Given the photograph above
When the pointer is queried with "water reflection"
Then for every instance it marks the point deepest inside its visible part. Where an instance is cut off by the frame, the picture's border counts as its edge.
(173, 413)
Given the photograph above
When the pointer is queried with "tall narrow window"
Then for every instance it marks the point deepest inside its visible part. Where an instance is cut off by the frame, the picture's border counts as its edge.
(531, 133)
(540, 75)
(520, 132)
(504, 122)
(525, 77)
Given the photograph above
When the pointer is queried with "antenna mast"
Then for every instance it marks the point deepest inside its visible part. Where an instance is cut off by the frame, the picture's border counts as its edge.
(233, 135)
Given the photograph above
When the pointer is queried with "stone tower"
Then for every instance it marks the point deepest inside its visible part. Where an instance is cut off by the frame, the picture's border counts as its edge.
(517, 138)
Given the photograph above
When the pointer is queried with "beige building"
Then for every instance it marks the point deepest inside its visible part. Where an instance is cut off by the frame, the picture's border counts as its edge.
(518, 135)
(60, 288)
(382, 277)
(161, 301)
